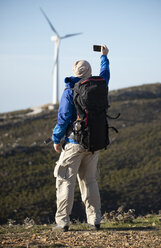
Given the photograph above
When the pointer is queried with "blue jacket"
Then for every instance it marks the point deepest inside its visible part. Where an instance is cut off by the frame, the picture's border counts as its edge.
(67, 112)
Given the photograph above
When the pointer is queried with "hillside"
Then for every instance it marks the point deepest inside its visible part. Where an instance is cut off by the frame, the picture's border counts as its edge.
(130, 169)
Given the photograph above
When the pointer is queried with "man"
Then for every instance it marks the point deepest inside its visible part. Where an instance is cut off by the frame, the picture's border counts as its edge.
(74, 160)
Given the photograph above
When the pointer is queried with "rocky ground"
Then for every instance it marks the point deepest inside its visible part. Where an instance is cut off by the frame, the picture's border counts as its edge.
(104, 238)
(143, 232)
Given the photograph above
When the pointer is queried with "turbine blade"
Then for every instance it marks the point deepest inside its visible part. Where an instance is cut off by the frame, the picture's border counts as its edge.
(49, 22)
(70, 35)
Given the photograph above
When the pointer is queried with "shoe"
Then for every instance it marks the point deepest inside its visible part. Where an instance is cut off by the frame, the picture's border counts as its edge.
(60, 228)
(97, 226)
(94, 227)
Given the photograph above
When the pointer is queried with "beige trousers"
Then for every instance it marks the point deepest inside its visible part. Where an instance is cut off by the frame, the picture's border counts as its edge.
(76, 162)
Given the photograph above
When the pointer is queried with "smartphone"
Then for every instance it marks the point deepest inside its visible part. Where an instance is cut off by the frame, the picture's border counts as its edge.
(96, 48)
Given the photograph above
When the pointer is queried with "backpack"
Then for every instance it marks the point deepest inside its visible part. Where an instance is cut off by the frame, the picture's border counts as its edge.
(91, 102)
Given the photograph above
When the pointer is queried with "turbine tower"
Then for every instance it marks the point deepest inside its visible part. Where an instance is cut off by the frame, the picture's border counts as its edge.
(56, 38)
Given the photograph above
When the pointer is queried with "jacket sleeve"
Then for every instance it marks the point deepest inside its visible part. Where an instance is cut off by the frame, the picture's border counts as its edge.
(65, 113)
(105, 70)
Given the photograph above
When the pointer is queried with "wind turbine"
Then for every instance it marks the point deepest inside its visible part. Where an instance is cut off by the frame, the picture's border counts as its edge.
(56, 38)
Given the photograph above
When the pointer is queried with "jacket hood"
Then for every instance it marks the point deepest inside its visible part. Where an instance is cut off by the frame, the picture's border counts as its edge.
(70, 81)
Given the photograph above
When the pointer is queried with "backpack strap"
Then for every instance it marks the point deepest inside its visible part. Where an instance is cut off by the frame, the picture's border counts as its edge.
(115, 129)
(113, 118)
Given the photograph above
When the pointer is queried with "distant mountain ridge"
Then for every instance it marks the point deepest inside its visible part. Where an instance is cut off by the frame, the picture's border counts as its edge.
(146, 91)
(130, 168)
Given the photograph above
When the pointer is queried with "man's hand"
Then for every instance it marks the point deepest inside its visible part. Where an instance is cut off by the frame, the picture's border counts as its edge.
(57, 147)
(104, 50)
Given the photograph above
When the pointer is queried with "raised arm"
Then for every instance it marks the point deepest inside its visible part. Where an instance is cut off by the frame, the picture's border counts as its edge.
(105, 70)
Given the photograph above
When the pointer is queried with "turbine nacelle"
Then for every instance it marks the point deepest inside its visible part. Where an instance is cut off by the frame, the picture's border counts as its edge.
(55, 38)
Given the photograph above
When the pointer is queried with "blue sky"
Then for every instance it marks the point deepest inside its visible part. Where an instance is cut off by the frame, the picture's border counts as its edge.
(131, 30)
